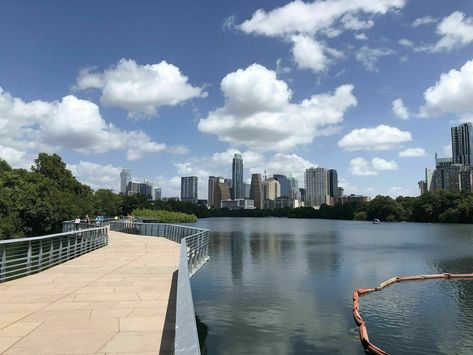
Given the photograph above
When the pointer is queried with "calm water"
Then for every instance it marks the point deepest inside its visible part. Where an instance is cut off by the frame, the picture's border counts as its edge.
(284, 286)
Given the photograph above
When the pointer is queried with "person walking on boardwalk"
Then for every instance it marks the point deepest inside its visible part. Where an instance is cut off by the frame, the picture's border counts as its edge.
(87, 219)
(77, 223)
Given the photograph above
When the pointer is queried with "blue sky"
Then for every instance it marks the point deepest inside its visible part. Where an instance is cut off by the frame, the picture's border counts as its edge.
(174, 88)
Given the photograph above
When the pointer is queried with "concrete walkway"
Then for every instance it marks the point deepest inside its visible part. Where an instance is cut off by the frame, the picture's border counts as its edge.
(117, 299)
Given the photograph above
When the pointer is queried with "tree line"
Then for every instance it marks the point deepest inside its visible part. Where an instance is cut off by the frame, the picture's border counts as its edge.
(36, 201)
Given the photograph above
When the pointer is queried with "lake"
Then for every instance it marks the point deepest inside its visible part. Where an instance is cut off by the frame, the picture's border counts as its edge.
(284, 286)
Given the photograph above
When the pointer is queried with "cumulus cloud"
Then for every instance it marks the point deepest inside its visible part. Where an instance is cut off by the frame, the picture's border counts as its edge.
(369, 56)
(361, 36)
(381, 164)
(456, 31)
(140, 89)
(397, 191)
(382, 137)
(453, 93)
(258, 111)
(421, 21)
(362, 167)
(301, 22)
(15, 158)
(400, 110)
(303, 17)
(97, 176)
(71, 123)
(412, 152)
(309, 54)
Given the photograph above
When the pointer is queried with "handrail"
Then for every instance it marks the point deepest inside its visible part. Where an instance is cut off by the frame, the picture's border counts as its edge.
(363, 330)
(25, 256)
(192, 255)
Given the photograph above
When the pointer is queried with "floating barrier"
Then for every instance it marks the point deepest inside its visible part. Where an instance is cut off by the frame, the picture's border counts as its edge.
(363, 330)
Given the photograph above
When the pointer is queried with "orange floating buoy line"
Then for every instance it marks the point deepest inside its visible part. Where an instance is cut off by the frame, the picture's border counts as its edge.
(363, 330)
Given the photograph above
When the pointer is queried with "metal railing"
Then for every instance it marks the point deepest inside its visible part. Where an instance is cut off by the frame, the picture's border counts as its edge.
(192, 255)
(69, 226)
(26, 256)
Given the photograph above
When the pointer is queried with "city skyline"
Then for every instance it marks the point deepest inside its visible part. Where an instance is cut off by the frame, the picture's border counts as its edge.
(335, 91)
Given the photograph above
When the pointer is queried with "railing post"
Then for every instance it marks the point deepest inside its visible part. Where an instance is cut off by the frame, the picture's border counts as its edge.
(28, 258)
(40, 257)
(60, 249)
(3, 264)
(51, 249)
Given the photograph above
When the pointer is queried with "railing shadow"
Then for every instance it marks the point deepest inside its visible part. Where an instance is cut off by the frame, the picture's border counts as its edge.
(169, 330)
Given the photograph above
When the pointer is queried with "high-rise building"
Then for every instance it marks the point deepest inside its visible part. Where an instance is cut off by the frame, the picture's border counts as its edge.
(189, 189)
(293, 192)
(125, 178)
(462, 144)
(157, 193)
(302, 191)
(316, 185)
(237, 177)
(246, 189)
(332, 183)
(222, 192)
(212, 185)
(284, 183)
(428, 179)
(271, 189)
(255, 190)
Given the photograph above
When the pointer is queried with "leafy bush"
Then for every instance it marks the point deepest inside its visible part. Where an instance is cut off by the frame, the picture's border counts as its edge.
(165, 216)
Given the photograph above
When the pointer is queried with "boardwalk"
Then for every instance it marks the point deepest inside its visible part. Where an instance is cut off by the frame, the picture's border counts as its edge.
(112, 300)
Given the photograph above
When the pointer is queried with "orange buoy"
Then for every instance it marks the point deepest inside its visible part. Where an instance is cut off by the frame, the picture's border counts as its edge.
(357, 317)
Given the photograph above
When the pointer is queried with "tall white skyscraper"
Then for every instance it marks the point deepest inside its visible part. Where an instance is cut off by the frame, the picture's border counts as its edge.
(189, 188)
(125, 178)
(316, 186)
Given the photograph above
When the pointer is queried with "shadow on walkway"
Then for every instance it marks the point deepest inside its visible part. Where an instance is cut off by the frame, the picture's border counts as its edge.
(169, 331)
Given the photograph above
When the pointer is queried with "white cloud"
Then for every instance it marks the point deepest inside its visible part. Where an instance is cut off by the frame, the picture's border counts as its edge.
(15, 158)
(309, 18)
(412, 152)
(400, 110)
(140, 89)
(381, 164)
(397, 191)
(456, 31)
(361, 36)
(382, 137)
(453, 93)
(72, 123)
(369, 56)
(301, 22)
(97, 176)
(280, 68)
(406, 43)
(362, 167)
(309, 54)
(426, 20)
(258, 112)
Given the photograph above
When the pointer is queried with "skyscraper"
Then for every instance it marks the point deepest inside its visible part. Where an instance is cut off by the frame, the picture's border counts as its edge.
(237, 177)
(316, 185)
(271, 189)
(157, 193)
(293, 193)
(462, 144)
(284, 183)
(428, 179)
(189, 188)
(212, 185)
(332, 185)
(255, 190)
(222, 192)
(125, 178)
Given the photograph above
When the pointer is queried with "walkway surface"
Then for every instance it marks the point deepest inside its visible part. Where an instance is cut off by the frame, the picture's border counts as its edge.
(113, 300)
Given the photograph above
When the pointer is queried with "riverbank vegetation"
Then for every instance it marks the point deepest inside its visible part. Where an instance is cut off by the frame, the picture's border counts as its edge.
(164, 216)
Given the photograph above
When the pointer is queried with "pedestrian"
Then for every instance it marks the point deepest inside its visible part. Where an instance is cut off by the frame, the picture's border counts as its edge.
(97, 220)
(87, 219)
(77, 223)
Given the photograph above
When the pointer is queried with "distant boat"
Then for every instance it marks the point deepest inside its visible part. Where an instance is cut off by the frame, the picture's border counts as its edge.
(376, 221)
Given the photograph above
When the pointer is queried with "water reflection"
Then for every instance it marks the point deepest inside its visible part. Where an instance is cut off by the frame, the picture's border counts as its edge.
(278, 286)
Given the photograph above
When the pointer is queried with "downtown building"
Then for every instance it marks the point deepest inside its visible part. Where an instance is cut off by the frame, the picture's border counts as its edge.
(125, 178)
(218, 191)
(321, 187)
(256, 193)
(237, 191)
(189, 185)
(455, 173)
